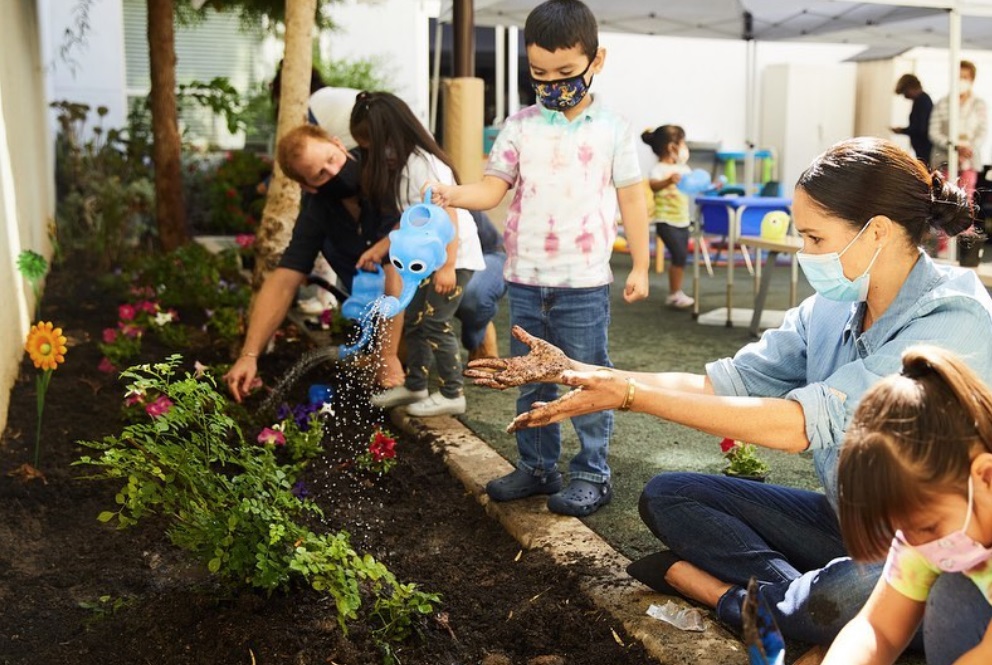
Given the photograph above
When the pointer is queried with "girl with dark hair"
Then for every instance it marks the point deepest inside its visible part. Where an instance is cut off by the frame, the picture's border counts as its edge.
(671, 205)
(916, 472)
(399, 155)
(863, 209)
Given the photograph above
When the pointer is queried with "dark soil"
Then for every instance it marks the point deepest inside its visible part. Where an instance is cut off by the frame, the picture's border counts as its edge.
(500, 606)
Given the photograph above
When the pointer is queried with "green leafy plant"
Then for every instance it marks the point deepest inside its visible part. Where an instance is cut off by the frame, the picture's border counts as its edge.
(33, 267)
(742, 459)
(233, 505)
(103, 607)
(103, 182)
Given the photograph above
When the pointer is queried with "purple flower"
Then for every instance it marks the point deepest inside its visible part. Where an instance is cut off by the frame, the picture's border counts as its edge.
(300, 490)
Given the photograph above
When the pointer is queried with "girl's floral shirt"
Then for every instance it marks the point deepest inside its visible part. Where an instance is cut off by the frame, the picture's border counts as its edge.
(562, 220)
(911, 574)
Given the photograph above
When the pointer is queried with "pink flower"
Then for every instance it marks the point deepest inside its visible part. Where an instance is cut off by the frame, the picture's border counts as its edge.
(134, 398)
(727, 445)
(272, 436)
(126, 312)
(130, 330)
(159, 407)
(244, 240)
(147, 306)
(109, 335)
(106, 366)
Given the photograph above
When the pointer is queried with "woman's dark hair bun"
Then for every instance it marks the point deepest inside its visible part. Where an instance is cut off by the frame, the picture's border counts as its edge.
(950, 209)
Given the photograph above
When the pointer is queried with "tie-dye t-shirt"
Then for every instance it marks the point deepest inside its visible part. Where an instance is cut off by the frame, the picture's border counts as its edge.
(561, 222)
(911, 574)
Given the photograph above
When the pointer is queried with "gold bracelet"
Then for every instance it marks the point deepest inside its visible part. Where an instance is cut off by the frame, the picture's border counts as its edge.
(628, 399)
(248, 354)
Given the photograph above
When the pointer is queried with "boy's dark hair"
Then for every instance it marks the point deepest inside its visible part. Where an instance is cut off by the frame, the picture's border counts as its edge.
(561, 24)
(906, 83)
(386, 124)
(662, 138)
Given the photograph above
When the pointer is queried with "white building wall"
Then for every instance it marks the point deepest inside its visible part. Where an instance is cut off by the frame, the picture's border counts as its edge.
(26, 179)
(92, 72)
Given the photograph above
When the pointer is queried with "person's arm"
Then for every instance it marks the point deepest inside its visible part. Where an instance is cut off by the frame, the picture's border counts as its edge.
(483, 195)
(880, 631)
(667, 181)
(268, 312)
(981, 129)
(981, 654)
(445, 279)
(635, 224)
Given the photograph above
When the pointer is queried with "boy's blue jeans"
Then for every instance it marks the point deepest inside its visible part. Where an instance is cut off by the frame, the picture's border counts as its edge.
(577, 322)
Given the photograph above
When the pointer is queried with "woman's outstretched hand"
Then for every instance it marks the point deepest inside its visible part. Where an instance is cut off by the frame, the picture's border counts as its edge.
(594, 391)
(544, 364)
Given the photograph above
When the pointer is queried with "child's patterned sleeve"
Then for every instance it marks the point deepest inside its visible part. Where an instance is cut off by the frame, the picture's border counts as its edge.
(626, 166)
(504, 156)
(907, 571)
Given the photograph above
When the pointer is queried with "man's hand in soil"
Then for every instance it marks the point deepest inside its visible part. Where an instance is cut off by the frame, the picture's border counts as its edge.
(544, 364)
(593, 391)
(241, 379)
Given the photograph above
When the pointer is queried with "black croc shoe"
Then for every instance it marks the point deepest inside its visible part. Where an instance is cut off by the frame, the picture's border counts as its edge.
(581, 498)
(520, 484)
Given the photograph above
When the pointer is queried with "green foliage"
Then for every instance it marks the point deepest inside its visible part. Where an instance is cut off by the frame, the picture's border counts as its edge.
(231, 504)
(102, 608)
(104, 190)
(218, 95)
(359, 73)
(743, 460)
(193, 276)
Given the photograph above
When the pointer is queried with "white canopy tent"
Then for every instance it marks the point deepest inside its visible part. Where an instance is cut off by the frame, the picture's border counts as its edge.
(886, 27)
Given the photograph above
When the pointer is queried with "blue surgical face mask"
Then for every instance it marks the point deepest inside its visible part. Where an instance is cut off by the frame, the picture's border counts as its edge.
(562, 94)
(825, 273)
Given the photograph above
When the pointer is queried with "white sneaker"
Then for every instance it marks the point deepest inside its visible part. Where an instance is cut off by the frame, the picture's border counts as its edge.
(437, 405)
(679, 300)
(311, 306)
(397, 396)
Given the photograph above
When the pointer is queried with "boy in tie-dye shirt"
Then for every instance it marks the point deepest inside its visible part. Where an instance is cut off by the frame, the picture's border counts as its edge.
(571, 162)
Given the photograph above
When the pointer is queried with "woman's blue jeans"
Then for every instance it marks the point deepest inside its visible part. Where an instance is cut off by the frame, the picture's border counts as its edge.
(480, 300)
(789, 539)
(576, 321)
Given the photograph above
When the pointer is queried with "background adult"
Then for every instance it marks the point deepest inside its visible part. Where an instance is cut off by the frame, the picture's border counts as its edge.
(973, 126)
(863, 208)
(918, 129)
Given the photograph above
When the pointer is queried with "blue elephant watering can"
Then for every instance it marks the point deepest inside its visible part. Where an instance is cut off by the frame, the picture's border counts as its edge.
(416, 249)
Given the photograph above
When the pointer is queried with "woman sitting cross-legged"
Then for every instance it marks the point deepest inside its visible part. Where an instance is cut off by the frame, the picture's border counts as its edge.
(863, 208)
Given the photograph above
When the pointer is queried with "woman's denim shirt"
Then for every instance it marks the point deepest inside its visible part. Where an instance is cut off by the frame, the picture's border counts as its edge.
(821, 357)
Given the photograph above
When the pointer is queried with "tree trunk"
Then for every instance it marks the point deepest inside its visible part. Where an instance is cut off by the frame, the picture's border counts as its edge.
(283, 201)
(169, 211)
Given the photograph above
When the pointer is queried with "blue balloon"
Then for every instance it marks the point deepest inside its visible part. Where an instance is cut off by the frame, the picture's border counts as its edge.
(695, 182)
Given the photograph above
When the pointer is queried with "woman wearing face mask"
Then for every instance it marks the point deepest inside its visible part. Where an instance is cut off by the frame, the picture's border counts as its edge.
(671, 205)
(916, 472)
(973, 122)
(863, 208)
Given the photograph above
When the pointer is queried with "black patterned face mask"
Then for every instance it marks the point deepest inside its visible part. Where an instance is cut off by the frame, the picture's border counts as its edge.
(346, 183)
(562, 94)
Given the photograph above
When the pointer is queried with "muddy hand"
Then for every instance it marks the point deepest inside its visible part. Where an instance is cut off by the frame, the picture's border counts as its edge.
(543, 364)
(593, 391)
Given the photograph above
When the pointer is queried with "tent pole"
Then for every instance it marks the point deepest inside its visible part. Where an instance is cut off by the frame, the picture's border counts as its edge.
(436, 75)
(749, 114)
(954, 109)
(512, 70)
(499, 33)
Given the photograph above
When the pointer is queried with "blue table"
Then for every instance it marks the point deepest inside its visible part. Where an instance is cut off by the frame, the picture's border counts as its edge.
(730, 217)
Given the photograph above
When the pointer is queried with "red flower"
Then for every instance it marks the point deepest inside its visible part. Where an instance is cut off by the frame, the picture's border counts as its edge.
(727, 445)
(106, 366)
(125, 312)
(382, 447)
(109, 335)
(272, 436)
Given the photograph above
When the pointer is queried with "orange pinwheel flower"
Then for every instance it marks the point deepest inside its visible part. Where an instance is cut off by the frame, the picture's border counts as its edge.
(46, 346)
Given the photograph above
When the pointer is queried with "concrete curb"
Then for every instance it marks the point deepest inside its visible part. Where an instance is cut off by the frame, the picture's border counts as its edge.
(569, 540)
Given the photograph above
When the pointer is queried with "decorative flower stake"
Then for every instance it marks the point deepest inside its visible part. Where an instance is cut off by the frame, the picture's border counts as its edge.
(46, 346)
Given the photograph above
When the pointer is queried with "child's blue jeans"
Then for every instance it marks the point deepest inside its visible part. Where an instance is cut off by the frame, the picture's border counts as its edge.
(577, 322)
